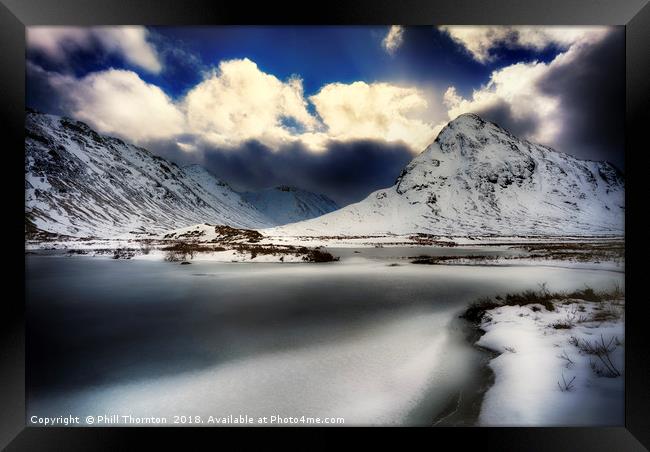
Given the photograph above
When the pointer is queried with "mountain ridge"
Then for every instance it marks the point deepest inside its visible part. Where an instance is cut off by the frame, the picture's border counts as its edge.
(286, 204)
(477, 178)
(82, 184)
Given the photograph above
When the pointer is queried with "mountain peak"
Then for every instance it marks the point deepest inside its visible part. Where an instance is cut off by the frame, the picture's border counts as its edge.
(468, 127)
(477, 178)
(468, 118)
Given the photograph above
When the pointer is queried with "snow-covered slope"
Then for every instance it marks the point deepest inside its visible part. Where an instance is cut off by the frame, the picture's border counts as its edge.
(285, 204)
(475, 179)
(82, 184)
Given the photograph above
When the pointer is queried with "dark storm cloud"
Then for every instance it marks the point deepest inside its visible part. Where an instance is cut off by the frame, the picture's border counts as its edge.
(39, 92)
(345, 171)
(591, 91)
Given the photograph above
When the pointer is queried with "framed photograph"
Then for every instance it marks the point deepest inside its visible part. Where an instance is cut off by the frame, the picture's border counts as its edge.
(413, 214)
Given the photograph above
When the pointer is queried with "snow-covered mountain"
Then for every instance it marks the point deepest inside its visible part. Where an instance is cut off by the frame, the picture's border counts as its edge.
(80, 183)
(285, 204)
(474, 179)
(478, 179)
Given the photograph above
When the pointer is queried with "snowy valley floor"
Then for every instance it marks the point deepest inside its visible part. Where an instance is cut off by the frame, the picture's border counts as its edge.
(378, 342)
(225, 244)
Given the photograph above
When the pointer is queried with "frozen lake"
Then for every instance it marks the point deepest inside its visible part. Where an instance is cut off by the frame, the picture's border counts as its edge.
(358, 339)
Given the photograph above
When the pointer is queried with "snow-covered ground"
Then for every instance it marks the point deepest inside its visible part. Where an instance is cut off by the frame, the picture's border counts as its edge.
(448, 250)
(206, 233)
(545, 374)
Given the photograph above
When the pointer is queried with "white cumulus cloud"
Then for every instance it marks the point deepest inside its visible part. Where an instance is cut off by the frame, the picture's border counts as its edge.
(130, 42)
(119, 102)
(516, 87)
(239, 102)
(374, 111)
(393, 39)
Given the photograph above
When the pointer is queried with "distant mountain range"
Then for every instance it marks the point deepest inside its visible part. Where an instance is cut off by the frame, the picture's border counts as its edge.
(83, 184)
(474, 179)
(285, 204)
(478, 179)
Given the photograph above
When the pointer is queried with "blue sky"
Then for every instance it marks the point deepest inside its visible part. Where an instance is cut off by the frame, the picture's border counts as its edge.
(322, 55)
(319, 55)
(210, 94)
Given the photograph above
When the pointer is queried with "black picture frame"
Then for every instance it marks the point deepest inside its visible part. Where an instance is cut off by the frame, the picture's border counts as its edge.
(15, 15)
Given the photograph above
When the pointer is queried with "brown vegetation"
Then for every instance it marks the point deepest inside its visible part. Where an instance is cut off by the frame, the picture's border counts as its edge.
(477, 310)
(123, 253)
(609, 250)
(436, 260)
(316, 255)
(308, 254)
(180, 251)
(230, 234)
(430, 239)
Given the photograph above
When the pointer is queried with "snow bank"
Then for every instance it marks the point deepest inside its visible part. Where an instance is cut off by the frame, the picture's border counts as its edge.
(543, 376)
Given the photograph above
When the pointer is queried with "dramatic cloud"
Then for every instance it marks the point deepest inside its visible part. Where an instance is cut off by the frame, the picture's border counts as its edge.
(379, 111)
(513, 91)
(480, 41)
(393, 39)
(571, 103)
(119, 103)
(41, 90)
(130, 42)
(238, 102)
(591, 100)
(345, 139)
(345, 171)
